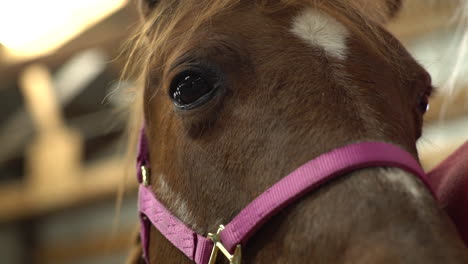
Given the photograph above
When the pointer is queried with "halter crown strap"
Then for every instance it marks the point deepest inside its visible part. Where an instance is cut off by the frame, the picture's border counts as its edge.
(301, 181)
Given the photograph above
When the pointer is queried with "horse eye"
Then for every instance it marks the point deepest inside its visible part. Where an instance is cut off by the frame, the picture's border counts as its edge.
(424, 104)
(151, 3)
(190, 90)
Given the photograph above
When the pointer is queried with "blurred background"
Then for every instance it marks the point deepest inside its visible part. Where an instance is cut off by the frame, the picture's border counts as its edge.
(61, 133)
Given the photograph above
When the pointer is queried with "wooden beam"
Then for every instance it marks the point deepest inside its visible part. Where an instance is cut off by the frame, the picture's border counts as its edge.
(448, 106)
(100, 181)
(419, 17)
(41, 101)
(94, 246)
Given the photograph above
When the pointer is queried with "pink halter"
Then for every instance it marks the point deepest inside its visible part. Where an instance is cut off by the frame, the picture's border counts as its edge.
(235, 234)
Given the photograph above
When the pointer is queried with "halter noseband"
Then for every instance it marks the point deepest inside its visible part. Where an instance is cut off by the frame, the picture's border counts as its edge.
(228, 239)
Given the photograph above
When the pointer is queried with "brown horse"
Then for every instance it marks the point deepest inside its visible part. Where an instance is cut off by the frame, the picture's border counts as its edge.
(237, 94)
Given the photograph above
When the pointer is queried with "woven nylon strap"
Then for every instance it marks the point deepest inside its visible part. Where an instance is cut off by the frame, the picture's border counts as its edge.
(301, 181)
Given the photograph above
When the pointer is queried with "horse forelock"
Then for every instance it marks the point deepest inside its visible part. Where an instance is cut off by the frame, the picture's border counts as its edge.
(154, 37)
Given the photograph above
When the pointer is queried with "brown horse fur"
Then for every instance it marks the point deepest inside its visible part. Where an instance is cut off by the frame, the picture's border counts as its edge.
(281, 103)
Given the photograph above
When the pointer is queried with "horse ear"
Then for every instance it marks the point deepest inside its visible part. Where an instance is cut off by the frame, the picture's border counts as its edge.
(381, 11)
(146, 6)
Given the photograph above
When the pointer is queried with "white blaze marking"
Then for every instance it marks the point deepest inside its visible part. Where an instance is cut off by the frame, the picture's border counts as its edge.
(321, 30)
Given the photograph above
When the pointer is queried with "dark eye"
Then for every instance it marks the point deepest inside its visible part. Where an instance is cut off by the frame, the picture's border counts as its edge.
(151, 3)
(190, 90)
(424, 104)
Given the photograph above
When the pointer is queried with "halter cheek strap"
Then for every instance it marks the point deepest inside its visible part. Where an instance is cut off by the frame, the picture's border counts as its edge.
(303, 180)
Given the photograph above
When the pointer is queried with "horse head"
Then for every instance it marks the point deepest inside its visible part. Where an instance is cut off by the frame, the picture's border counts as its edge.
(237, 94)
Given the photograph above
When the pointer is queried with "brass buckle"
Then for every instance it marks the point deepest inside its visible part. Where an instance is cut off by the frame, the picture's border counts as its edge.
(218, 246)
(145, 175)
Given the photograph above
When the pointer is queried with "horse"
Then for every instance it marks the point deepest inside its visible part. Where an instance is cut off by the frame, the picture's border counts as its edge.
(237, 94)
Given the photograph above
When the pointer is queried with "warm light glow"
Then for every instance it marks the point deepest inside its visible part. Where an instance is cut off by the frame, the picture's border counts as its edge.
(32, 28)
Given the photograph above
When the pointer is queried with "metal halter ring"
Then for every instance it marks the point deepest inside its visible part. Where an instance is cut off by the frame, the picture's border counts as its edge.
(236, 258)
